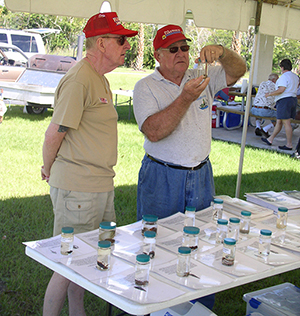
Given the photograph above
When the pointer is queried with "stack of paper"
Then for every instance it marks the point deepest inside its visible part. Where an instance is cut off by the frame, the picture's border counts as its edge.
(273, 200)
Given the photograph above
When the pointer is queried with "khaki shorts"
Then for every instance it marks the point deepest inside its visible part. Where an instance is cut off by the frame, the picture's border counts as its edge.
(83, 211)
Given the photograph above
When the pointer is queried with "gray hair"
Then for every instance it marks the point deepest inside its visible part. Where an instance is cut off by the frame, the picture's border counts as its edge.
(273, 76)
(90, 42)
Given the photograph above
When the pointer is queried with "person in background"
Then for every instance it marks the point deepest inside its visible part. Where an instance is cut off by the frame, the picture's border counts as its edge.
(3, 107)
(80, 147)
(264, 106)
(286, 103)
(173, 109)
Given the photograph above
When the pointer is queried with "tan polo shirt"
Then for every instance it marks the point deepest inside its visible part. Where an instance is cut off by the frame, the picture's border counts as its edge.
(85, 160)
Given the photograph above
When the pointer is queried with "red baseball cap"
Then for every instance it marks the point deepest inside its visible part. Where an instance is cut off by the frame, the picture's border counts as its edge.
(168, 35)
(106, 23)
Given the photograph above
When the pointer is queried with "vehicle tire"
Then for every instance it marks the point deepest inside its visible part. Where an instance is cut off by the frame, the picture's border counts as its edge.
(32, 108)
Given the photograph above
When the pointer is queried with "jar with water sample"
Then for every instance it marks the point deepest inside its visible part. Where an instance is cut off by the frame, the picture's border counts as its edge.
(190, 216)
(282, 216)
(245, 222)
(107, 231)
(234, 228)
(228, 255)
(217, 209)
(222, 230)
(183, 261)
(149, 222)
(103, 255)
(149, 243)
(264, 242)
(190, 237)
(67, 240)
(142, 270)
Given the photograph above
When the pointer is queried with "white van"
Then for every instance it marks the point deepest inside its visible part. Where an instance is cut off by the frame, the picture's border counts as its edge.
(29, 43)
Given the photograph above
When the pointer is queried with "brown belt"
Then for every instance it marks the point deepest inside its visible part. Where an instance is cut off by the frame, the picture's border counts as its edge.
(262, 107)
(177, 166)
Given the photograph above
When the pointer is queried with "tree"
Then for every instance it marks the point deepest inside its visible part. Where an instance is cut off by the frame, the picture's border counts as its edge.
(140, 54)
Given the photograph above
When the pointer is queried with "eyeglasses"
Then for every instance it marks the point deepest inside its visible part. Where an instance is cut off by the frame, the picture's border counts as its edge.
(120, 39)
(174, 49)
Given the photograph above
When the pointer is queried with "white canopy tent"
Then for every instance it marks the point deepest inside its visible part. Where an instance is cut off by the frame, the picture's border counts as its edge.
(271, 17)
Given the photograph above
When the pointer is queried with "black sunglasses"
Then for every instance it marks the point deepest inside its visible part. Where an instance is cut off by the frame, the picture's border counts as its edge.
(120, 39)
(174, 49)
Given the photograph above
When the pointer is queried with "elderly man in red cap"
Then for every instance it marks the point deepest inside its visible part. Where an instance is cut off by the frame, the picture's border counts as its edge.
(173, 109)
(80, 147)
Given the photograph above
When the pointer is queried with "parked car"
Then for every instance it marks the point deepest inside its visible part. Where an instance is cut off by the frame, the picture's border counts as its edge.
(12, 62)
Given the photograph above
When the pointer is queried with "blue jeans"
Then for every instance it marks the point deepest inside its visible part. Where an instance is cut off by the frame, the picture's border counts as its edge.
(164, 191)
(263, 112)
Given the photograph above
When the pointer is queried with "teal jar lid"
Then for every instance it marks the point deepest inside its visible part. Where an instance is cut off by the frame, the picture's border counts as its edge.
(229, 241)
(222, 221)
(191, 230)
(265, 232)
(184, 250)
(142, 258)
(246, 213)
(282, 209)
(150, 218)
(218, 201)
(190, 209)
(234, 220)
(149, 234)
(67, 230)
(104, 243)
(107, 225)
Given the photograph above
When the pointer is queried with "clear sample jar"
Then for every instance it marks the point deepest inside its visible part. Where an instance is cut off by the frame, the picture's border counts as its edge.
(190, 237)
(234, 228)
(264, 242)
(67, 240)
(103, 255)
(222, 230)
(228, 254)
(149, 222)
(142, 270)
(282, 216)
(189, 219)
(245, 222)
(183, 261)
(107, 231)
(149, 243)
(217, 209)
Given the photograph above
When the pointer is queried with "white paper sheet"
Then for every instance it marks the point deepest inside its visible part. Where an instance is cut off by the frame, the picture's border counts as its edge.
(277, 256)
(201, 275)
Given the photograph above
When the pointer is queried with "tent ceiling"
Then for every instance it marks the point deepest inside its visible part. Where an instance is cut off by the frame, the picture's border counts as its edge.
(276, 19)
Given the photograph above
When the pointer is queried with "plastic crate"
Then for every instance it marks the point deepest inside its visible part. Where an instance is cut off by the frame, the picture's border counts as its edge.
(279, 300)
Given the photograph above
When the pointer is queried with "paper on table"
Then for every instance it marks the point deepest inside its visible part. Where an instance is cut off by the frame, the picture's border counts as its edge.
(285, 240)
(156, 291)
(174, 241)
(205, 215)
(50, 248)
(277, 256)
(201, 276)
(176, 222)
(243, 265)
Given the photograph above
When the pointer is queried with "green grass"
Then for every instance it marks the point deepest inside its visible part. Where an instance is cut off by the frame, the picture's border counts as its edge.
(26, 210)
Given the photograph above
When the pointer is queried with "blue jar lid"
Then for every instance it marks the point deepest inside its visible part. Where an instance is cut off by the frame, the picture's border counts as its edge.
(184, 250)
(246, 213)
(104, 243)
(282, 209)
(107, 225)
(222, 221)
(265, 232)
(150, 218)
(218, 201)
(190, 209)
(149, 234)
(67, 230)
(143, 258)
(191, 230)
(229, 241)
(234, 220)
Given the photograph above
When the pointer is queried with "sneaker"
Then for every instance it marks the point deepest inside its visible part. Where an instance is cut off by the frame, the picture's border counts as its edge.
(296, 155)
(266, 134)
(258, 132)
